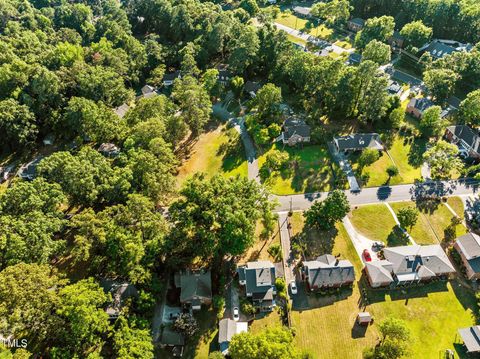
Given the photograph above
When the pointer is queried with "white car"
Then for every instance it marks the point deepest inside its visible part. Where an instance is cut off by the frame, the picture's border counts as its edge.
(293, 287)
(236, 314)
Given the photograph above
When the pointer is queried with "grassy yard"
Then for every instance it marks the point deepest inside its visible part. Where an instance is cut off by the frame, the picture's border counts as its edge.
(328, 331)
(373, 221)
(309, 169)
(259, 251)
(421, 232)
(207, 338)
(404, 154)
(264, 321)
(296, 40)
(216, 151)
(440, 219)
(457, 205)
(303, 25)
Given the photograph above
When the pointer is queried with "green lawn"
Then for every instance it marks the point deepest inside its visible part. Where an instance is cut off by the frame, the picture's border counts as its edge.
(457, 205)
(264, 321)
(373, 221)
(309, 170)
(216, 151)
(296, 40)
(433, 312)
(440, 219)
(206, 340)
(297, 23)
(405, 155)
(422, 232)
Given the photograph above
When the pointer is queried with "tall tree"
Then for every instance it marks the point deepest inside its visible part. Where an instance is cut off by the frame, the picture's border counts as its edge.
(377, 52)
(377, 28)
(443, 160)
(440, 83)
(416, 35)
(470, 109)
(17, 124)
(324, 214)
(132, 343)
(333, 12)
(431, 123)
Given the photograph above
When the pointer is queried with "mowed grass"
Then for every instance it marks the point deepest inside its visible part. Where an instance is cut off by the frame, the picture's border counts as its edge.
(327, 329)
(402, 155)
(433, 313)
(309, 170)
(296, 40)
(303, 25)
(457, 205)
(440, 218)
(216, 151)
(373, 221)
(259, 250)
(421, 232)
(264, 321)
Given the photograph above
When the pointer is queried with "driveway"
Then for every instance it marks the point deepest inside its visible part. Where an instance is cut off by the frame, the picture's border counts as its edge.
(250, 153)
(345, 166)
(359, 241)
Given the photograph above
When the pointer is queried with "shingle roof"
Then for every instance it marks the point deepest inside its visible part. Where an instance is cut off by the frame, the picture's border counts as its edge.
(379, 271)
(171, 76)
(470, 245)
(326, 270)
(227, 328)
(357, 21)
(295, 126)
(466, 134)
(259, 276)
(122, 110)
(471, 338)
(409, 259)
(197, 284)
(359, 141)
(302, 10)
(421, 103)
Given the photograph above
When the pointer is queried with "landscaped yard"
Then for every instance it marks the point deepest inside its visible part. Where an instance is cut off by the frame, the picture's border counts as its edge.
(404, 154)
(216, 151)
(432, 312)
(422, 232)
(309, 170)
(374, 221)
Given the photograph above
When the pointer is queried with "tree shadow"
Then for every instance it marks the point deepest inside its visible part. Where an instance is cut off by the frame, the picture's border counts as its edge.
(232, 152)
(315, 242)
(397, 237)
(384, 192)
(415, 155)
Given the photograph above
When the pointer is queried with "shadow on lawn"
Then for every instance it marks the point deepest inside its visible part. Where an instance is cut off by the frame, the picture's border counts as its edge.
(415, 156)
(306, 300)
(315, 242)
(232, 152)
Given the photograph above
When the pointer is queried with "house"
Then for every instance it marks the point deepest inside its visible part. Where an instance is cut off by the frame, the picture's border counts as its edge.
(122, 110)
(227, 328)
(302, 11)
(358, 142)
(259, 281)
(394, 88)
(49, 139)
(471, 338)
(196, 288)
(109, 150)
(417, 106)
(170, 77)
(120, 292)
(171, 339)
(355, 24)
(467, 140)
(295, 131)
(396, 40)
(409, 264)
(224, 74)
(468, 246)
(328, 272)
(354, 58)
(251, 88)
(439, 48)
(147, 90)
(6, 172)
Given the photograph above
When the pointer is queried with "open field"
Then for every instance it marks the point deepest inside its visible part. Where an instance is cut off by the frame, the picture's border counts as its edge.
(216, 151)
(373, 221)
(309, 170)
(432, 312)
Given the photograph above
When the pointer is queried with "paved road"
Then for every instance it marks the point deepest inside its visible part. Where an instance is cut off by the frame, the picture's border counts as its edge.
(286, 247)
(301, 202)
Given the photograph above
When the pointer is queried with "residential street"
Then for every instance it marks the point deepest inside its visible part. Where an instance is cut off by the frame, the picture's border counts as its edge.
(301, 202)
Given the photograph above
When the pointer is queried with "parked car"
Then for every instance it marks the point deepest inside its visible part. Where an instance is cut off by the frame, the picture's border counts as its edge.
(236, 314)
(293, 287)
(367, 256)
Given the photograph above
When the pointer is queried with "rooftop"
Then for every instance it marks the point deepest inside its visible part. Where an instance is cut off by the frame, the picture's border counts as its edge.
(359, 141)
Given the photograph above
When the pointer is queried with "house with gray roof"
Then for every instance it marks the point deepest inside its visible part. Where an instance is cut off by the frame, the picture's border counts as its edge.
(259, 281)
(295, 131)
(224, 74)
(196, 288)
(121, 110)
(302, 11)
(409, 264)
(468, 246)
(170, 77)
(439, 48)
(394, 88)
(356, 24)
(120, 292)
(471, 338)
(227, 328)
(465, 138)
(328, 272)
(358, 142)
(417, 106)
